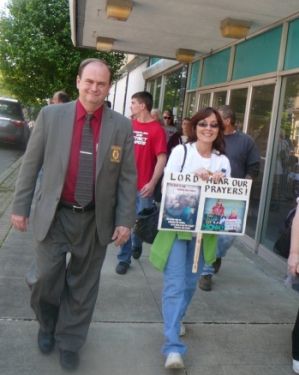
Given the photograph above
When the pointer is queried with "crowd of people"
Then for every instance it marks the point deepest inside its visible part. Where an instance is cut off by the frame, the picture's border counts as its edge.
(100, 170)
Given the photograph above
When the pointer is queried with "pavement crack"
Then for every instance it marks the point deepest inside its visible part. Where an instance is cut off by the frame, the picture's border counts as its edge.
(150, 288)
(135, 322)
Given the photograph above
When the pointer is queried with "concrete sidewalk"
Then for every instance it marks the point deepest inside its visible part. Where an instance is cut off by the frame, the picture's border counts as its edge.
(7, 184)
(242, 327)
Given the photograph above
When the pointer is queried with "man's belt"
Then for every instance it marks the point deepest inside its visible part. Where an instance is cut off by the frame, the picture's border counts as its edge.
(75, 208)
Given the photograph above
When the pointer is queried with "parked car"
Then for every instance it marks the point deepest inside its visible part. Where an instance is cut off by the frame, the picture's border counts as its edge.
(13, 127)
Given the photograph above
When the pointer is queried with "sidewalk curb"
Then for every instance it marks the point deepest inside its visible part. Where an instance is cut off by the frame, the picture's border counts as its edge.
(7, 187)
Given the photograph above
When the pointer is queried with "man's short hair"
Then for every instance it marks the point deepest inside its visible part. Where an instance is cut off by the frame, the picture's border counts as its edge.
(62, 96)
(227, 112)
(145, 98)
(85, 62)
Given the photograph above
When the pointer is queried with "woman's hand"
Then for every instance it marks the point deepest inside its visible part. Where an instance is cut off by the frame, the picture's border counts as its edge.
(203, 173)
(217, 176)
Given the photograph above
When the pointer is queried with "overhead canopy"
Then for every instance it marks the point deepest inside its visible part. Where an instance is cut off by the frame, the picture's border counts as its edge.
(161, 27)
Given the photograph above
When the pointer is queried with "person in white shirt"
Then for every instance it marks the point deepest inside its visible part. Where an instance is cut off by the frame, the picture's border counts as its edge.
(204, 157)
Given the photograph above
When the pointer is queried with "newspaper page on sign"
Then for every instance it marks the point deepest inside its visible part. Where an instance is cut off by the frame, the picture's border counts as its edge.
(192, 205)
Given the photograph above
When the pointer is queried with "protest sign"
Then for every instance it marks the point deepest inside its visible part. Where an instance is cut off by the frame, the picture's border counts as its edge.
(192, 205)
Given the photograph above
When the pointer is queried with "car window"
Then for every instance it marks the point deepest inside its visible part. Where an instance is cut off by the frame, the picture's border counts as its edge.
(11, 109)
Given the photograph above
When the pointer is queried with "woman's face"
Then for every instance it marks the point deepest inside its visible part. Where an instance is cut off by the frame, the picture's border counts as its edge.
(167, 118)
(207, 129)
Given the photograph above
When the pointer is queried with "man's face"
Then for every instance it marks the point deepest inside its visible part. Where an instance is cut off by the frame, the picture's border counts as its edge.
(136, 107)
(93, 85)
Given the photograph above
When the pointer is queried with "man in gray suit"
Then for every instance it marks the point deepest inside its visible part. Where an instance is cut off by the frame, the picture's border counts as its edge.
(63, 295)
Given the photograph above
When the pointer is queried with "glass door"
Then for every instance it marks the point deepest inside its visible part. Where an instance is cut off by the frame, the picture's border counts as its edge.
(285, 167)
(258, 128)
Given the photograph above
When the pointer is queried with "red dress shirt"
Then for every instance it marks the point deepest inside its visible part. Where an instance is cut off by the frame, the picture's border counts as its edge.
(73, 166)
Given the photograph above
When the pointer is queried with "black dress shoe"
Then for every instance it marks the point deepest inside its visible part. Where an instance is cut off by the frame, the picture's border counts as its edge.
(69, 360)
(136, 252)
(46, 342)
(122, 268)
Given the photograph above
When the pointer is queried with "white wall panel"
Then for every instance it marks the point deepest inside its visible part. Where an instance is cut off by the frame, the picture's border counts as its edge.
(136, 83)
(120, 95)
(111, 94)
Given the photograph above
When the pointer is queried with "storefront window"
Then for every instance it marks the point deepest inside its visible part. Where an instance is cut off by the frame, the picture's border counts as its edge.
(258, 129)
(238, 100)
(175, 86)
(157, 93)
(154, 87)
(219, 99)
(204, 100)
(190, 109)
(285, 187)
(150, 86)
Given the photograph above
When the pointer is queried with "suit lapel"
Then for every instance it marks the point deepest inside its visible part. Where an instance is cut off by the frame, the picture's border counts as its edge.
(105, 137)
(67, 120)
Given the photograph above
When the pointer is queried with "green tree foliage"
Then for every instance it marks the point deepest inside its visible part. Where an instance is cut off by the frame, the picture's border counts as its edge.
(37, 56)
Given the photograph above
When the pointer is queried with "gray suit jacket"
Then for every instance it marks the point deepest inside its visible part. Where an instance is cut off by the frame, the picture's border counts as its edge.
(49, 148)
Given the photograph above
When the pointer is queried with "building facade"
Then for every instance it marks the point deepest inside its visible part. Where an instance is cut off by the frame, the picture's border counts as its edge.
(259, 78)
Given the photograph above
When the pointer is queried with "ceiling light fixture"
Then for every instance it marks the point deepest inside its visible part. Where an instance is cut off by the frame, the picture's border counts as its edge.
(236, 29)
(185, 56)
(119, 9)
(104, 44)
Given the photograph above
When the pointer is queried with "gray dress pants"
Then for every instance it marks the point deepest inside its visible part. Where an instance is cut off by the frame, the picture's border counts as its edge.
(63, 295)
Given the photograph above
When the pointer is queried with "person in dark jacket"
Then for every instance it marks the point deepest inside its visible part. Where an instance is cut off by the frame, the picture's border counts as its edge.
(181, 136)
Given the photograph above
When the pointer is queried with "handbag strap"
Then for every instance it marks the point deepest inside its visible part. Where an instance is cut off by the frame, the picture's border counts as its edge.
(184, 159)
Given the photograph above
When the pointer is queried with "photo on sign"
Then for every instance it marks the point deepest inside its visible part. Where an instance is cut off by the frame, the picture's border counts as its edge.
(224, 215)
(180, 207)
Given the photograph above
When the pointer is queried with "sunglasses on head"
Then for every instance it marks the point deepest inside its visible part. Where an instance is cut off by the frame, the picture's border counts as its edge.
(204, 124)
(166, 117)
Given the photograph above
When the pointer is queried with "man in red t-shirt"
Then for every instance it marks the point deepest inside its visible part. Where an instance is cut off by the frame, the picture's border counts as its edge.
(150, 154)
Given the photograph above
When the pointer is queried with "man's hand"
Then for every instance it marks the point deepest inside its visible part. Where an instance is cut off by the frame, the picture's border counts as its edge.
(121, 235)
(19, 222)
(147, 190)
(293, 264)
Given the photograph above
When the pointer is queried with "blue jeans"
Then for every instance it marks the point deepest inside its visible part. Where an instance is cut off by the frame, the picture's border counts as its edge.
(125, 252)
(178, 289)
(223, 244)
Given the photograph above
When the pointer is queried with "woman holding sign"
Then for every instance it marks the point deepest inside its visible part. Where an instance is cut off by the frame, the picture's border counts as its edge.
(205, 157)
